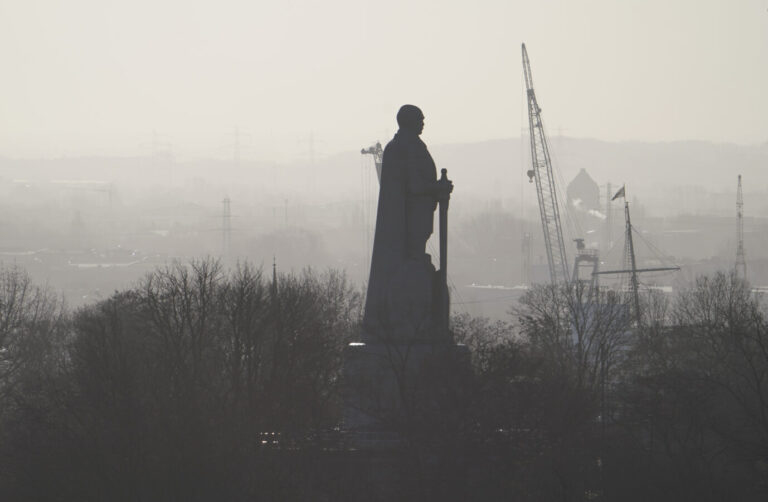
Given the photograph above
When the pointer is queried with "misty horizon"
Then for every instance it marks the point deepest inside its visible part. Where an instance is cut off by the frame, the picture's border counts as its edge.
(86, 79)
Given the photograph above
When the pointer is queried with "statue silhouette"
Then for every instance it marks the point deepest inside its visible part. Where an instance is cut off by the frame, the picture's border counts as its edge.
(399, 304)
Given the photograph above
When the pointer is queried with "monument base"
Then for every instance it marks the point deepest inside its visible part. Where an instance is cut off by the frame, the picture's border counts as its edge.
(393, 389)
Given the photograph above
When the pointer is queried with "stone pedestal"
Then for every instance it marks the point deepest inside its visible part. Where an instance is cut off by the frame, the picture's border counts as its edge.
(391, 388)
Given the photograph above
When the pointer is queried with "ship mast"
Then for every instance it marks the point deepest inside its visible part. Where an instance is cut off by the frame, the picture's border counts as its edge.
(630, 260)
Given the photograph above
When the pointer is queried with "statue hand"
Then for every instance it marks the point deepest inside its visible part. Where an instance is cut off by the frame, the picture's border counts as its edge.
(444, 189)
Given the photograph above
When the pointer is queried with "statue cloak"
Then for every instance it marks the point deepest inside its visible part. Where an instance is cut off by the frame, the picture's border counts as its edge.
(398, 303)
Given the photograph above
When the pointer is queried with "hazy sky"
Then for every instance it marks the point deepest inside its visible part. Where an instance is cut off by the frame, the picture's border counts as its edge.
(98, 76)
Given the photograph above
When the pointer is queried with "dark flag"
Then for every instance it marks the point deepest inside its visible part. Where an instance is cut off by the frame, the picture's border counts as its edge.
(620, 193)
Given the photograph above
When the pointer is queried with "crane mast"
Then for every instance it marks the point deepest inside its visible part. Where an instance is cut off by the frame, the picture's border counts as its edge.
(741, 263)
(546, 191)
(378, 156)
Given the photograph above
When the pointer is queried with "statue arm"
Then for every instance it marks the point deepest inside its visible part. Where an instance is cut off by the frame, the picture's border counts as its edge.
(418, 186)
(420, 177)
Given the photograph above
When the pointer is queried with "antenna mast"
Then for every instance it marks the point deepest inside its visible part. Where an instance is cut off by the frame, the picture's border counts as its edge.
(741, 263)
(545, 184)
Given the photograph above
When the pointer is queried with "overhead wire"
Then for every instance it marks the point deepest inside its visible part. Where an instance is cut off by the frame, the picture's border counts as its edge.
(572, 227)
(657, 253)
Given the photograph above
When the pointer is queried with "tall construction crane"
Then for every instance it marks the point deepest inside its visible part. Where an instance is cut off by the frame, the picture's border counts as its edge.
(369, 200)
(741, 263)
(378, 156)
(546, 191)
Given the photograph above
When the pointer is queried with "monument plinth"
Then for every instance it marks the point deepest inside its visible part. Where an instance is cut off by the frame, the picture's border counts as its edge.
(391, 387)
(406, 361)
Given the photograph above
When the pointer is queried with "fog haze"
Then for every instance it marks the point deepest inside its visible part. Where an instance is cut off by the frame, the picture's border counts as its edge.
(124, 126)
(305, 77)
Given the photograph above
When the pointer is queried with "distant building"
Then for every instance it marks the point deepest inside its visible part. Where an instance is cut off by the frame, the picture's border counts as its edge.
(583, 193)
(583, 199)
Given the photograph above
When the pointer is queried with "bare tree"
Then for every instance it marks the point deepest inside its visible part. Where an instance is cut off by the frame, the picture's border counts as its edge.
(245, 305)
(694, 398)
(180, 309)
(723, 326)
(583, 332)
(314, 318)
(31, 327)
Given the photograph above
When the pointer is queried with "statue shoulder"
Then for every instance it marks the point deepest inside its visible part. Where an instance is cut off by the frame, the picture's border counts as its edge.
(403, 149)
(395, 149)
(411, 145)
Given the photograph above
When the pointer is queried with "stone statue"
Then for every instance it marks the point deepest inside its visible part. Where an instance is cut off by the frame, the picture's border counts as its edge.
(402, 295)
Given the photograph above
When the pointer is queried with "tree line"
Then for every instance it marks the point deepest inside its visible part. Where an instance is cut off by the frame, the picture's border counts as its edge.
(200, 383)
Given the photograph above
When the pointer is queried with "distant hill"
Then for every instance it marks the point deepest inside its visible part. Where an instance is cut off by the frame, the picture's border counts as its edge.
(666, 178)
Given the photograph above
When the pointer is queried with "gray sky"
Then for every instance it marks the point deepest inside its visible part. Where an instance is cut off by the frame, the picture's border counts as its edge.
(84, 77)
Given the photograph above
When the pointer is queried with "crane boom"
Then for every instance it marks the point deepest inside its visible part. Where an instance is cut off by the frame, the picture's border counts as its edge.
(545, 184)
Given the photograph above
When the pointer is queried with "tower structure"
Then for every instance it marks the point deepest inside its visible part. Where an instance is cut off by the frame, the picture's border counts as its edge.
(236, 147)
(741, 263)
(585, 258)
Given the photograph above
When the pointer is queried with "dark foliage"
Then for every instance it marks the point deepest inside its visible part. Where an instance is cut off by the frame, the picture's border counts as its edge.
(177, 389)
(205, 384)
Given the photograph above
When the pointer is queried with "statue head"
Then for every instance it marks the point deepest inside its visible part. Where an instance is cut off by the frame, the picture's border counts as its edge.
(410, 119)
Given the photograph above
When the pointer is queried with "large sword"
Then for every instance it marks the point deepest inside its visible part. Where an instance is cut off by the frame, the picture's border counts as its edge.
(444, 299)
